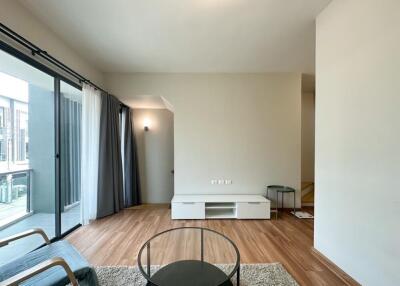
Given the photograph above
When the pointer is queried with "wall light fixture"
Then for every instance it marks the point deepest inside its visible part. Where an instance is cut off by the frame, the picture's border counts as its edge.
(146, 124)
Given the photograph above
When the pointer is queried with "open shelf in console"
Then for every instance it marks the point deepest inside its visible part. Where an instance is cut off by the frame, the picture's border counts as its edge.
(220, 210)
(220, 213)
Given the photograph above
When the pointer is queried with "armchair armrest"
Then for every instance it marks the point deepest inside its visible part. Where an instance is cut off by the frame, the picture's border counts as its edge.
(7, 240)
(24, 275)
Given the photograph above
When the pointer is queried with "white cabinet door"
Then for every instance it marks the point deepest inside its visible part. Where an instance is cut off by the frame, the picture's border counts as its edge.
(188, 210)
(253, 210)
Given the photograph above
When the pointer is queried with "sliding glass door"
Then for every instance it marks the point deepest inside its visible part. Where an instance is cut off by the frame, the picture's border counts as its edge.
(70, 146)
(27, 153)
(40, 125)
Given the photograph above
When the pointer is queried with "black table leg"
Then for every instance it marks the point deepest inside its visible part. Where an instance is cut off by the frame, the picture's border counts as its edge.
(294, 203)
(238, 276)
(276, 205)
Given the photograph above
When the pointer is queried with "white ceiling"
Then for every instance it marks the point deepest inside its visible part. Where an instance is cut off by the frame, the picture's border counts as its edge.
(187, 35)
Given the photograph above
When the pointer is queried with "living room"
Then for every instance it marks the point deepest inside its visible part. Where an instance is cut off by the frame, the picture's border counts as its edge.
(213, 142)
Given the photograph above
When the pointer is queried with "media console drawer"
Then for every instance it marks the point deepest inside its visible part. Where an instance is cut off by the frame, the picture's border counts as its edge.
(188, 210)
(253, 210)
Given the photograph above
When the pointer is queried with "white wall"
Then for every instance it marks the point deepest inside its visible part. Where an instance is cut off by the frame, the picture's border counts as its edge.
(357, 222)
(155, 154)
(243, 127)
(18, 18)
(307, 136)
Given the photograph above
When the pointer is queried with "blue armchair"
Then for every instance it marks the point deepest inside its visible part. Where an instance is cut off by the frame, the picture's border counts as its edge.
(55, 264)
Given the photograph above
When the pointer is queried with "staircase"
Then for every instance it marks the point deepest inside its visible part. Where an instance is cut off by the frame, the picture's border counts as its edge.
(307, 193)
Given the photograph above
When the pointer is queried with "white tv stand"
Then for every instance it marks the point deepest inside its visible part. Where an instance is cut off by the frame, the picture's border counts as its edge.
(220, 207)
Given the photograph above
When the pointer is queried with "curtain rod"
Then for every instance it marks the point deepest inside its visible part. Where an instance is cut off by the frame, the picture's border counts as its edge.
(35, 50)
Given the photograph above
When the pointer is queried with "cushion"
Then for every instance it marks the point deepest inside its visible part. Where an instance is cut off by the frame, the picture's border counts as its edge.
(56, 275)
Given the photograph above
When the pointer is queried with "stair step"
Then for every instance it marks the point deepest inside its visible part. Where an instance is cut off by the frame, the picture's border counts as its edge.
(308, 198)
(305, 185)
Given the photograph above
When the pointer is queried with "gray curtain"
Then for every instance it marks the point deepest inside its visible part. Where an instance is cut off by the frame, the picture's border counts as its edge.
(131, 169)
(110, 198)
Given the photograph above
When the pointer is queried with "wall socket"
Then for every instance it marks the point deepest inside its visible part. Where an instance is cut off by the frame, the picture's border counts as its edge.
(221, 182)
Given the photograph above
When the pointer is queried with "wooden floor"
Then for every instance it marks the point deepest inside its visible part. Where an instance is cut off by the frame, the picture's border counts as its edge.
(116, 240)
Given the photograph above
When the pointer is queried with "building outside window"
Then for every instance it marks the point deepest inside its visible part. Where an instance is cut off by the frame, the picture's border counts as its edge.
(14, 146)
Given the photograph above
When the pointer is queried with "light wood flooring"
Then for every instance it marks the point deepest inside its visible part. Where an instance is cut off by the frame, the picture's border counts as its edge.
(116, 240)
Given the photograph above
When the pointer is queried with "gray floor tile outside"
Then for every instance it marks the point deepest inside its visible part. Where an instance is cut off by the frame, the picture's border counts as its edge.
(16, 208)
(46, 221)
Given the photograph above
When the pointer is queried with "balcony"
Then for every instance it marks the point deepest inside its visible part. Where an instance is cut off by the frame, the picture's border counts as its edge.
(14, 196)
(18, 214)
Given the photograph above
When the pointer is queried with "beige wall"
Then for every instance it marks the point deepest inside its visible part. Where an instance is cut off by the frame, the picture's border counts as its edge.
(242, 127)
(357, 222)
(16, 17)
(307, 136)
(156, 154)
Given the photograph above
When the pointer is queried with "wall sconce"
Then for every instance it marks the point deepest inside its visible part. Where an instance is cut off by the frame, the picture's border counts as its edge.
(146, 124)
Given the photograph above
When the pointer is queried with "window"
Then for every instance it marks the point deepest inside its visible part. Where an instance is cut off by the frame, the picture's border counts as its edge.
(37, 120)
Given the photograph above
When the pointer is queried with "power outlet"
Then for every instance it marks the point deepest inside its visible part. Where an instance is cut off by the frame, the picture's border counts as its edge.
(214, 182)
(228, 182)
(221, 182)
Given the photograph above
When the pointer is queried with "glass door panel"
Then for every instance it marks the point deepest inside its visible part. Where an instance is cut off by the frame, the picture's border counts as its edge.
(70, 146)
(27, 154)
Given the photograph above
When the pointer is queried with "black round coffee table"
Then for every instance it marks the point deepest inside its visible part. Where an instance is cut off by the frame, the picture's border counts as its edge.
(192, 256)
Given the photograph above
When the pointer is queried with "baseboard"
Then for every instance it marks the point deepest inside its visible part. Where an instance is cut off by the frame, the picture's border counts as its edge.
(150, 206)
(346, 278)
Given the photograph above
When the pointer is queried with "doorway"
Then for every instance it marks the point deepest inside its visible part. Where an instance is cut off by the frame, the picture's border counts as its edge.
(307, 141)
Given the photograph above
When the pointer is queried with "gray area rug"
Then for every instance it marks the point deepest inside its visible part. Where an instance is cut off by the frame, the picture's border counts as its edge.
(273, 274)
